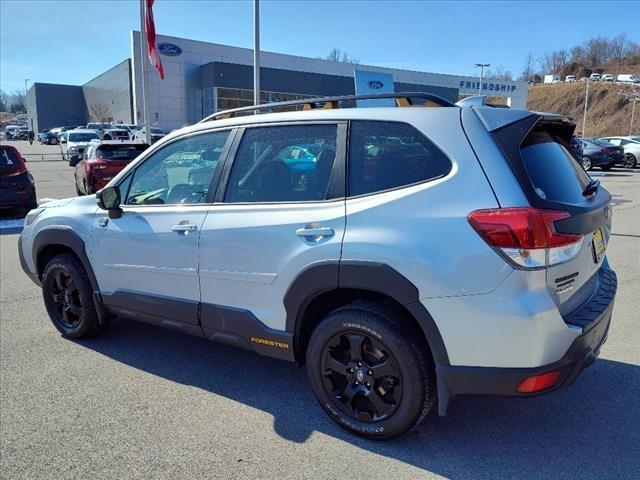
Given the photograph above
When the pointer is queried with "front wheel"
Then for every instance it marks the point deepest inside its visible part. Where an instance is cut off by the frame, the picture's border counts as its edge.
(68, 297)
(630, 161)
(586, 163)
(369, 372)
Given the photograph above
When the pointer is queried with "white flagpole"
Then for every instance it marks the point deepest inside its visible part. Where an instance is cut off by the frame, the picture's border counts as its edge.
(143, 63)
(256, 52)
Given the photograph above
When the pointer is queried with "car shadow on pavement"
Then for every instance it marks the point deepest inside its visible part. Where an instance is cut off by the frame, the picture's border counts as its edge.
(589, 430)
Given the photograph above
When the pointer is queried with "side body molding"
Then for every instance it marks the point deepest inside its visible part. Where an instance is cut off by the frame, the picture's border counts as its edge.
(371, 276)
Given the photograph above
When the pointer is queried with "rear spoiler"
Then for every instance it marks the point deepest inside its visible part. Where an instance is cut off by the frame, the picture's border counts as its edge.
(494, 118)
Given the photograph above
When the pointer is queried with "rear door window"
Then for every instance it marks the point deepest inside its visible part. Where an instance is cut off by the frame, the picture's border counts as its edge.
(553, 171)
(388, 155)
(283, 164)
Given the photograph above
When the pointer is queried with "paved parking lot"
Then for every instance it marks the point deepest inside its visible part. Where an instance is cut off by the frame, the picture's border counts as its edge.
(141, 402)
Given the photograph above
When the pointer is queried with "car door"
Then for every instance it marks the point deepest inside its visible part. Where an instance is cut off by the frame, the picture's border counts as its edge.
(279, 213)
(146, 261)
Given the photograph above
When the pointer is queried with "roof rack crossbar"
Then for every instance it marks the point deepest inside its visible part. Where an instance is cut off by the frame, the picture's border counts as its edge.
(402, 99)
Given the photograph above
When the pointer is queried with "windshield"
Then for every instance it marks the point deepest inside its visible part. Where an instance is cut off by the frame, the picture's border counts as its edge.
(9, 162)
(82, 137)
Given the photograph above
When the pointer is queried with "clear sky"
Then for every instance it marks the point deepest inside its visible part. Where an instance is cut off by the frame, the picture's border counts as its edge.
(72, 42)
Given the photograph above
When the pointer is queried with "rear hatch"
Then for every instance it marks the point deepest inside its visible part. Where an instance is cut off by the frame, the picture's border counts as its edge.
(14, 178)
(537, 148)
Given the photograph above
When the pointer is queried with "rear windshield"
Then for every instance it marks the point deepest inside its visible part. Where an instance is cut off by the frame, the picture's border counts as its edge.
(9, 162)
(120, 152)
(554, 172)
(82, 137)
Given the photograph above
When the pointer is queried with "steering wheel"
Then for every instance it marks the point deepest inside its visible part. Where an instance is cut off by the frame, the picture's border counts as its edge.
(182, 193)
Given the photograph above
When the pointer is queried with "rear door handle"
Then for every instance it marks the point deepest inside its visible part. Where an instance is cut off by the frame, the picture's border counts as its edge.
(315, 233)
(184, 228)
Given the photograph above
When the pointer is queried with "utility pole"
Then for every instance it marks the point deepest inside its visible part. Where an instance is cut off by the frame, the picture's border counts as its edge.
(633, 112)
(482, 67)
(26, 81)
(584, 116)
(256, 52)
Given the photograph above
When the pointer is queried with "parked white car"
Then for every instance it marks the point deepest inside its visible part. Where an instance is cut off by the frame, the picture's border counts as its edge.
(570, 79)
(628, 78)
(73, 143)
(607, 77)
(595, 77)
(631, 148)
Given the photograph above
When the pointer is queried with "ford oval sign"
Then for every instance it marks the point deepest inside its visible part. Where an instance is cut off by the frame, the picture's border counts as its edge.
(375, 84)
(169, 49)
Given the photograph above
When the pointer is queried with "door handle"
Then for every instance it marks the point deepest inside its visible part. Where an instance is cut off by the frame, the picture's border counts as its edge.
(184, 228)
(314, 232)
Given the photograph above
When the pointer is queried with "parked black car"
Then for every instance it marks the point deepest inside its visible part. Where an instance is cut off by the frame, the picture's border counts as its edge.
(48, 138)
(17, 188)
(598, 153)
(576, 147)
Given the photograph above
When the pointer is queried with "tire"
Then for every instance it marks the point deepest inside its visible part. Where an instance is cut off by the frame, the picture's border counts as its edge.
(608, 166)
(68, 297)
(390, 367)
(630, 161)
(586, 163)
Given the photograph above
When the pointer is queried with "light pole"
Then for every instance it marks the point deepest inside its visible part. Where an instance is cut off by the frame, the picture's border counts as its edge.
(256, 52)
(633, 112)
(584, 116)
(482, 67)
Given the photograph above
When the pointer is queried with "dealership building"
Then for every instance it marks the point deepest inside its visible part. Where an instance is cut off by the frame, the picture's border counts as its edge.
(202, 78)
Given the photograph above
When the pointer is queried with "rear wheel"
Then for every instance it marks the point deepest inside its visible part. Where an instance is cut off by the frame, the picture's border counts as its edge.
(630, 161)
(68, 297)
(586, 163)
(369, 373)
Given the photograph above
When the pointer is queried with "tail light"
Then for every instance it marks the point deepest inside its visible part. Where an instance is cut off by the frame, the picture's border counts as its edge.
(526, 236)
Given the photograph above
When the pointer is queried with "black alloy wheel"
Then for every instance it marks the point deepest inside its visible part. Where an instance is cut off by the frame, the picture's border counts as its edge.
(361, 376)
(68, 297)
(586, 163)
(65, 297)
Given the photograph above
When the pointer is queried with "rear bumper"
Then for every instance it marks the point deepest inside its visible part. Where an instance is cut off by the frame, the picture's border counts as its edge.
(594, 317)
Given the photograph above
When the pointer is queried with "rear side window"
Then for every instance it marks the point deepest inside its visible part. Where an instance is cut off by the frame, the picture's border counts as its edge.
(553, 171)
(387, 155)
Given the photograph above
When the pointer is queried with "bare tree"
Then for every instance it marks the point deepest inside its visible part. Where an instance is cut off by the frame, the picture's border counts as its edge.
(499, 73)
(337, 55)
(99, 112)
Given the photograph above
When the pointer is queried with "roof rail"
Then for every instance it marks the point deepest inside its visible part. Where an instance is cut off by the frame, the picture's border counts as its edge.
(402, 99)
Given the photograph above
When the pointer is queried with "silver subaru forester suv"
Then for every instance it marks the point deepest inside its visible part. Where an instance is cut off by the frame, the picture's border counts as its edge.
(406, 255)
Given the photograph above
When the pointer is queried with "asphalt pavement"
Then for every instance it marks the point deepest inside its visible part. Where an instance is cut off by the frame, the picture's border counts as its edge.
(142, 402)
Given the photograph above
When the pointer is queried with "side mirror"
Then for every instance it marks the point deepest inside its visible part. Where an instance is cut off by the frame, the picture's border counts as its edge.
(109, 199)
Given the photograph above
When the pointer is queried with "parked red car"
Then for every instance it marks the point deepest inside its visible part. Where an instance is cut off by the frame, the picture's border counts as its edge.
(17, 188)
(101, 161)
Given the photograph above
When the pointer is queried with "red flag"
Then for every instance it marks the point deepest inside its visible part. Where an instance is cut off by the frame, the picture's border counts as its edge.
(150, 29)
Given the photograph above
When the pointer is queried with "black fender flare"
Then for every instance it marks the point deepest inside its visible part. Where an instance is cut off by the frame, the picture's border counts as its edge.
(372, 276)
(67, 238)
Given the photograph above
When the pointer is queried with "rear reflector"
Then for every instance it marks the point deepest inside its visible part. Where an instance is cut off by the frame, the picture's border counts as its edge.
(526, 235)
(537, 383)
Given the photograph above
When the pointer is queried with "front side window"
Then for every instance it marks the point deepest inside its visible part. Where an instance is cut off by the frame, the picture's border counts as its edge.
(179, 173)
(387, 155)
(283, 164)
